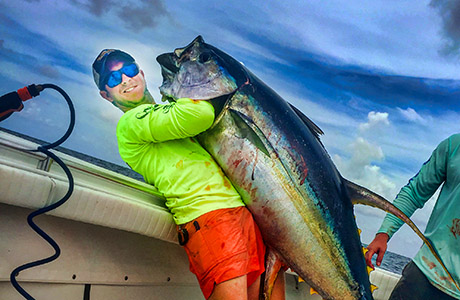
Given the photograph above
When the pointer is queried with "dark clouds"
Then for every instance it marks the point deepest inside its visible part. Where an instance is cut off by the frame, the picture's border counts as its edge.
(450, 14)
(143, 14)
(134, 15)
(29, 61)
(39, 55)
(339, 82)
(97, 7)
(48, 71)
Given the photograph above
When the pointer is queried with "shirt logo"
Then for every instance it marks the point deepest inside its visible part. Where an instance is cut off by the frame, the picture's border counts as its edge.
(166, 108)
(145, 112)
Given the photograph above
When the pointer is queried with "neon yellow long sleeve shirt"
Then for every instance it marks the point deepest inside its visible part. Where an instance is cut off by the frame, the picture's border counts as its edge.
(156, 140)
(443, 228)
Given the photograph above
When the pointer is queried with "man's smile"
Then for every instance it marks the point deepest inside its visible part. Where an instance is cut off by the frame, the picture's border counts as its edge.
(129, 89)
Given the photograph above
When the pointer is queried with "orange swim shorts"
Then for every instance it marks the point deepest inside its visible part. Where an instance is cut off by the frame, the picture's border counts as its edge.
(224, 244)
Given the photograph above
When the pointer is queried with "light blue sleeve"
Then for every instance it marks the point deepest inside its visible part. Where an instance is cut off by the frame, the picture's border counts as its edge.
(419, 189)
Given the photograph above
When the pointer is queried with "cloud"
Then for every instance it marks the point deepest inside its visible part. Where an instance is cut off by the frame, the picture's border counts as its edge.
(411, 115)
(364, 152)
(136, 15)
(449, 11)
(359, 167)
(48, 71)
(362, 159)
(144, 15)
(110, 114)
(376, 120)
(97, 7)
(32, 110)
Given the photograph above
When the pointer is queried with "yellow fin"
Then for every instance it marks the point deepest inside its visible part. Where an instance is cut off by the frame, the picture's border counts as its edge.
(301, 280)
(369, 270)
(312, 291)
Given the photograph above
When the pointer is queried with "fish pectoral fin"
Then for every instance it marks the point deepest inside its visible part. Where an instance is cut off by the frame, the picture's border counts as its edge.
(273, 265)
(246, 129)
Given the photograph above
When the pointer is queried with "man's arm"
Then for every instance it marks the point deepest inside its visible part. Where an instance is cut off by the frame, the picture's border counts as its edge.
(158, 123)
(419, 189)
(413, 196)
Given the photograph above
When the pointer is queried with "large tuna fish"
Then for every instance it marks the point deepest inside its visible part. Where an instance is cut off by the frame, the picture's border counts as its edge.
(273, 156)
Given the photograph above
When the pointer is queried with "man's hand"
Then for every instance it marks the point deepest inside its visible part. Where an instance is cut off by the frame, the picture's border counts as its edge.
(377, 246)
(165, 98)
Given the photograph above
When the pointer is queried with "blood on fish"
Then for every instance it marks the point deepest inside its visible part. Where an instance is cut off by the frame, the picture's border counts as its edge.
(237, 162)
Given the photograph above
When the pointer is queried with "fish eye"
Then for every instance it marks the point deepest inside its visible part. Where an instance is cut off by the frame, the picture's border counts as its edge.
(204, 57)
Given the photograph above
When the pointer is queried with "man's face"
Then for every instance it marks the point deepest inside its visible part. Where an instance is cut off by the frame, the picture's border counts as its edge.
(129, 92)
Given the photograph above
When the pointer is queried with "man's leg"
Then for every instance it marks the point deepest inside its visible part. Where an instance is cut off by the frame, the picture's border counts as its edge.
(236, 289)
(279, 289)
(233, 289)
(231, 238)
(253, 290)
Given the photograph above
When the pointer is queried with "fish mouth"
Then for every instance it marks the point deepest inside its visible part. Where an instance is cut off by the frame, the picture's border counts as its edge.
(194, 76)
(187, 66)
(168, 63)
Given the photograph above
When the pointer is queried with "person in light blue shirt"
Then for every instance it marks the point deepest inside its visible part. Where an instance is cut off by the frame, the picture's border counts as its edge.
(423, 277)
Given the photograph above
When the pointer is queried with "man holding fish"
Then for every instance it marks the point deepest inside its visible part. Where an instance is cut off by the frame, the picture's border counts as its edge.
(222, 241)
(277, 164)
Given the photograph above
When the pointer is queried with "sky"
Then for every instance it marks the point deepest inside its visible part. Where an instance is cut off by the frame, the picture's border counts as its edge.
(380, 78)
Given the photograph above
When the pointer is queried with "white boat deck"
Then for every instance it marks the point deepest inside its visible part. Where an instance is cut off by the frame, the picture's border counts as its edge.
(118, 240)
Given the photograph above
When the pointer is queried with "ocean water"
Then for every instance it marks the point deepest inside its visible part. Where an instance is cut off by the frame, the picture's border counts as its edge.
(391, 261)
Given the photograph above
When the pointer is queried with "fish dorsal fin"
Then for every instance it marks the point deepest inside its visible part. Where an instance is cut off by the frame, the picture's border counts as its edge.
(361, 195)
(310, 124)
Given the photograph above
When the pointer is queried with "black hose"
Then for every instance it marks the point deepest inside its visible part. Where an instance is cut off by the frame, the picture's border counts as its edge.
(45, 149)
(72, 116)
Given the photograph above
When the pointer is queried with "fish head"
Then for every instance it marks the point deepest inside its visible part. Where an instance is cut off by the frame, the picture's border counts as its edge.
(198, 71)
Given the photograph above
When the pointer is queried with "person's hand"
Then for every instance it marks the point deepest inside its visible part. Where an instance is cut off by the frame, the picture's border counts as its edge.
(377, 246)
(169, 99)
